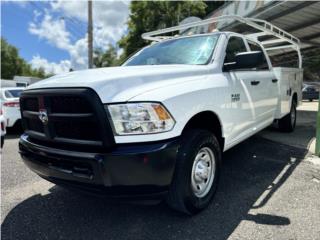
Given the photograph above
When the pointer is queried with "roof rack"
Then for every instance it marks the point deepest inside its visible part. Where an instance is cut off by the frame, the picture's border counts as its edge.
(280, 38)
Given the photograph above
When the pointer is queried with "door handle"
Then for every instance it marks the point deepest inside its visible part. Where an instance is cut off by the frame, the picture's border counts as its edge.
(274, 80)
(255, 82)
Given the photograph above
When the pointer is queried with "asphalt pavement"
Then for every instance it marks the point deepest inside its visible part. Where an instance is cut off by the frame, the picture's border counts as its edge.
(269, 189)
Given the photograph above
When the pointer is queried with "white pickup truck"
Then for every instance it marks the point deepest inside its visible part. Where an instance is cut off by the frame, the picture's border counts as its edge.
(156, 126)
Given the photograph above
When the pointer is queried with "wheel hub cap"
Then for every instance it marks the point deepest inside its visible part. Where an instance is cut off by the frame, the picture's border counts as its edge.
(203, 172)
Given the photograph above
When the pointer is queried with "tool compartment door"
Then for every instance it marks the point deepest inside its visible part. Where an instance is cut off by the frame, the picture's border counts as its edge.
(289, 82)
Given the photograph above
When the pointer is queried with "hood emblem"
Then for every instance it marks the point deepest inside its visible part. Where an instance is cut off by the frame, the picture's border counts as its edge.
(43, 116)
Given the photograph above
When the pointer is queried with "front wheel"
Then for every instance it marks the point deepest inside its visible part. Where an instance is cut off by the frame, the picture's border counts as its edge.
(288, 122)
(197, 172)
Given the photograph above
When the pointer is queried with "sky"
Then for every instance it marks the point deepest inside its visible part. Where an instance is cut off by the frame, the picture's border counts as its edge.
(53, 34)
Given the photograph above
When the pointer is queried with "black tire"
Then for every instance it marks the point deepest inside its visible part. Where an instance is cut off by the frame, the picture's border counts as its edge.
(181, 196)
(288, 122)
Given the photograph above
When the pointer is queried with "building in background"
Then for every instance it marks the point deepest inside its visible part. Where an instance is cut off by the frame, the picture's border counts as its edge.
(19, 81)
(23, 81)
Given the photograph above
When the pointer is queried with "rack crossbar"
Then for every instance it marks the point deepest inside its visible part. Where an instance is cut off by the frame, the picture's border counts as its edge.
(263, 28)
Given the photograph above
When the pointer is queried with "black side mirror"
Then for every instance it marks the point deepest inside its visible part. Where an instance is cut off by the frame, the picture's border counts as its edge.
(245, 60)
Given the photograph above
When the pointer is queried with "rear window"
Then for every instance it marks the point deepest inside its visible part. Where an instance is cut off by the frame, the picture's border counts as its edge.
(14, 93)
(310, 88)
(255, 47)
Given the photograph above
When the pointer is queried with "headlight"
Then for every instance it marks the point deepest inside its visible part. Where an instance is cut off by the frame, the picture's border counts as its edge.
(140, 118)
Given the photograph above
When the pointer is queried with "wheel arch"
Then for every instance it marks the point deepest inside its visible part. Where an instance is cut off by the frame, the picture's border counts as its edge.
(208, 120)
(295, 98)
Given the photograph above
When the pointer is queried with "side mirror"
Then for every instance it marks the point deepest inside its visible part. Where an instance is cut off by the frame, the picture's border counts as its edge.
(245, 60)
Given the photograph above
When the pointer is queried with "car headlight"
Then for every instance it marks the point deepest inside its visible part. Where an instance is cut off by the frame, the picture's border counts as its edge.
(139, 118)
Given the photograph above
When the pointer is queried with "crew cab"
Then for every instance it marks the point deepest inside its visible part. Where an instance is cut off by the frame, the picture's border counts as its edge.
(156, 126)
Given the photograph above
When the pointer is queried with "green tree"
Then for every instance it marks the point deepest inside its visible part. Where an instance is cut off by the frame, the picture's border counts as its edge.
(108, 58)
(39, 73)
(12, 64)
(311, 66)
(150, 15)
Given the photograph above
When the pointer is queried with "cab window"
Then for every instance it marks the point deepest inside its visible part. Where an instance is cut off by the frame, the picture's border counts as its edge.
(256, 47)
(235, 46)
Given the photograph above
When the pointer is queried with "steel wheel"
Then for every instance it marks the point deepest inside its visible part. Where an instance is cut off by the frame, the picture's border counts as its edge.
(203, 171)
(197, 171)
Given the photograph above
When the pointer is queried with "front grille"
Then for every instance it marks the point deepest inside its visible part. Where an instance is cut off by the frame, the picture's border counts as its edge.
(31, 104)
(69, 104)
(75, 117)
(35, 125)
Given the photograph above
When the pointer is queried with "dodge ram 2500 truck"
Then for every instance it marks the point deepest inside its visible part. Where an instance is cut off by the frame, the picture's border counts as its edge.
(156, 126)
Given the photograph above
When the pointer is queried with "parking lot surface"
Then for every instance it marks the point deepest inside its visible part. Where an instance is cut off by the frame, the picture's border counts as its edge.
(269, 189)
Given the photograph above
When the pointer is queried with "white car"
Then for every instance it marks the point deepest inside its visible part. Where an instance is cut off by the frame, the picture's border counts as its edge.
(156, 127)
(3, 127)
(10, 104)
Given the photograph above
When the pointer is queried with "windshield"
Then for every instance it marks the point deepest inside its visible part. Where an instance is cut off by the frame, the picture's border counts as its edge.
(190, 50)
(14, 93)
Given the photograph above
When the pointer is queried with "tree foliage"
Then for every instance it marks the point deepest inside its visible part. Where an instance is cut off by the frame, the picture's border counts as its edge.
(148, 16)
(311, 66)
(12, 64)
(106, 59)
(151, 15)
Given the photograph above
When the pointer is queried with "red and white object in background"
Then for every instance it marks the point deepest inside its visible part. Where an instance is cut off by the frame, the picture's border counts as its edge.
(10, 105)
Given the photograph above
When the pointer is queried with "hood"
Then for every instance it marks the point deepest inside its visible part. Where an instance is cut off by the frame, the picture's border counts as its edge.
(119, 84)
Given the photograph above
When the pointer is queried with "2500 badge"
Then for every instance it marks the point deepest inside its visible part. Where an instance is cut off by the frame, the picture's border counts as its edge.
(235, 97)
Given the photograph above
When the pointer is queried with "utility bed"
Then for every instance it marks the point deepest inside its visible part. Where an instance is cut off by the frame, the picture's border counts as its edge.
(290, 81)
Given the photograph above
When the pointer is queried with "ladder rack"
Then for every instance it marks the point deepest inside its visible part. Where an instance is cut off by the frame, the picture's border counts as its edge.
(263, 28)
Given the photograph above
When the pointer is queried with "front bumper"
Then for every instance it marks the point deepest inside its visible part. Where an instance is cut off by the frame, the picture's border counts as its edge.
(128, 170)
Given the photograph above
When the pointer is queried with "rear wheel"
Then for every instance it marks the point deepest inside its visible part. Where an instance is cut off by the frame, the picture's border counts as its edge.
(288, 122)
(197, 172)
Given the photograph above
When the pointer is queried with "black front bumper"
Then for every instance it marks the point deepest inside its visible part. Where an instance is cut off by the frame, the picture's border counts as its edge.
(127, 171)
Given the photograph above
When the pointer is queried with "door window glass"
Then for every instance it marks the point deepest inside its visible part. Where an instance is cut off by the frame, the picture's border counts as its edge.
(235, 46)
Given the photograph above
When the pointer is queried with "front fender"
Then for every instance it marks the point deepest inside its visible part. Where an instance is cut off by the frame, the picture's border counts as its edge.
(183, 102)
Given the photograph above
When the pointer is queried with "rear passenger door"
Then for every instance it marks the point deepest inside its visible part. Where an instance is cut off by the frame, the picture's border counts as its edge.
(266, 88)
